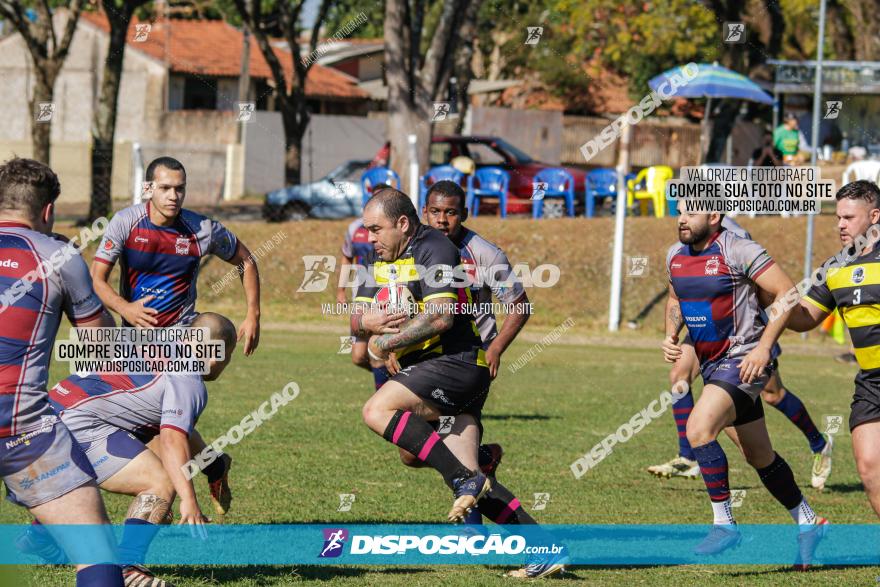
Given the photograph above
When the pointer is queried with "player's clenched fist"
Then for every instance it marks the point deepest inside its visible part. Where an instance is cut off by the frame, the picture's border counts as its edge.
(671, 348)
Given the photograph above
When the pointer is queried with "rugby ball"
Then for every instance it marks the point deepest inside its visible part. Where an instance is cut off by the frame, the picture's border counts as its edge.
(397, 298)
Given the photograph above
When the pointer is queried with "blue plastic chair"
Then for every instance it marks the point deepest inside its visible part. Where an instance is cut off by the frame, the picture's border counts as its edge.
(435, 174)
(558, 183)
(376, 176)
(601, 184)
(488, 182)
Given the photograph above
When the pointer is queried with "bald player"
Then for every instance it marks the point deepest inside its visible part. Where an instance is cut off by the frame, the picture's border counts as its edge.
(437, 364)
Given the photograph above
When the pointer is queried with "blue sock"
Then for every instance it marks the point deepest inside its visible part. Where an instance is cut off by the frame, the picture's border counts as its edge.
(380, 376)
(681, 411)
(474, 518)
(136, 537)
(794, 410)
(100, 576)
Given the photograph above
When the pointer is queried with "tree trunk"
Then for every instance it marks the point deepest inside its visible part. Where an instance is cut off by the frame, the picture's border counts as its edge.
(293, 135)
(839, 33)
(104, 120)
(404, 121)
(41, 132)
(467, 33)
(413, 85)
(867, 33)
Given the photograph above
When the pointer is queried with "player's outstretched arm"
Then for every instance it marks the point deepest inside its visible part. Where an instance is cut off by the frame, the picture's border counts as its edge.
(777, 284)
(513, 323)
(674, 323)
(175, 454)
(250, 279)
(806, 316)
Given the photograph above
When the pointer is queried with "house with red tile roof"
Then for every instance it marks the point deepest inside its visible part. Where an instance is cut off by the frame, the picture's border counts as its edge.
(178, 94)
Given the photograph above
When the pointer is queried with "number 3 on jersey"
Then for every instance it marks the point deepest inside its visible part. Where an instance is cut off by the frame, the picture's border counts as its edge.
(857, 296)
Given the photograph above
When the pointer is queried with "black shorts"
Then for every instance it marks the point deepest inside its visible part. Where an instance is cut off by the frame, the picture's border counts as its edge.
(454, 384)
(866, 401)
(747, 409)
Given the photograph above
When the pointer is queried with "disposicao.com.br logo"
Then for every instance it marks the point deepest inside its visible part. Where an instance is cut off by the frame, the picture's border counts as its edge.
(450, 544)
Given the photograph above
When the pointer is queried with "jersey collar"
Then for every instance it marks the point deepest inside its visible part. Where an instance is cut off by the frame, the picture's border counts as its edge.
(709, 243)
(13, 224)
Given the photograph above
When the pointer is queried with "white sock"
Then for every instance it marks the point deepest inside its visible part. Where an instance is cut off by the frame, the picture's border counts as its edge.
(803, 514)
(723, 513)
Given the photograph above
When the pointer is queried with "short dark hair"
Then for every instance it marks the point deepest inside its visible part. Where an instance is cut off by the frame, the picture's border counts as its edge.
(394, 204)
(166, 162)
(448, 189)
(864, 190)
(27, 186)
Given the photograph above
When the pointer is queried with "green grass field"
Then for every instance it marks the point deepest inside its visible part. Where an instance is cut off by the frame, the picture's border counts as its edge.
(545, 415)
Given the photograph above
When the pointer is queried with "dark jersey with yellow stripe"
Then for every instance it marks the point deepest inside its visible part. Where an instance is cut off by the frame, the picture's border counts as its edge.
(855, 290)
(426, 269)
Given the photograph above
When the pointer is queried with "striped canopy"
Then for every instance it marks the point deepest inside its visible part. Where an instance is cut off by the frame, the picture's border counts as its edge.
(714, 81)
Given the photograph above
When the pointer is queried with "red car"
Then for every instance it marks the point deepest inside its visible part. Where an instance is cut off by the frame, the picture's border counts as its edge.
(494, 152)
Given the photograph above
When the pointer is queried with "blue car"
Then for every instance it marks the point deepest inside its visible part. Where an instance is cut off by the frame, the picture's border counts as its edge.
(337, 195)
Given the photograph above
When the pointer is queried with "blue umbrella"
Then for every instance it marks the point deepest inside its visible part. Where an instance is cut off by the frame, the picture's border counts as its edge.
(711, 81)
(714, 81)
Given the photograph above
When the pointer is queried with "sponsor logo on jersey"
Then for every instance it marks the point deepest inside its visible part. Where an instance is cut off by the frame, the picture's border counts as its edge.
(9, 263)
(181, 245)
(712, 266)
(140, 239)
(858, 275)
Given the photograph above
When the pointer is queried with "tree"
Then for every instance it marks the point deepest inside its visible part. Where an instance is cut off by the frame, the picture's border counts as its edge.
(641, 39)
(415, 79)
(119, 14)
(290, 93)
(343, 11)
(47, 54)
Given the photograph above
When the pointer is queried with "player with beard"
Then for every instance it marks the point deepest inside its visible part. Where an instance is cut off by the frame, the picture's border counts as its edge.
(853, 287)
(437, 364)
(686, 369)
(714, 280)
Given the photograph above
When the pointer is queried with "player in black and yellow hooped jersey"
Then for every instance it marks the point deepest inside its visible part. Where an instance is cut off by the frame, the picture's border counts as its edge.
(852, 284)
(436, 360)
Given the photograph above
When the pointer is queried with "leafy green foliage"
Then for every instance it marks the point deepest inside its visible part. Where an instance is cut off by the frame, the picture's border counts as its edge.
(641, 39)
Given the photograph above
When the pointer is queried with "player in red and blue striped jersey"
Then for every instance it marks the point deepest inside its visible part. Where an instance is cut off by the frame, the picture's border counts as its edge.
(160, 245)
(41, 278)
(714, 283)
(682, 375)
